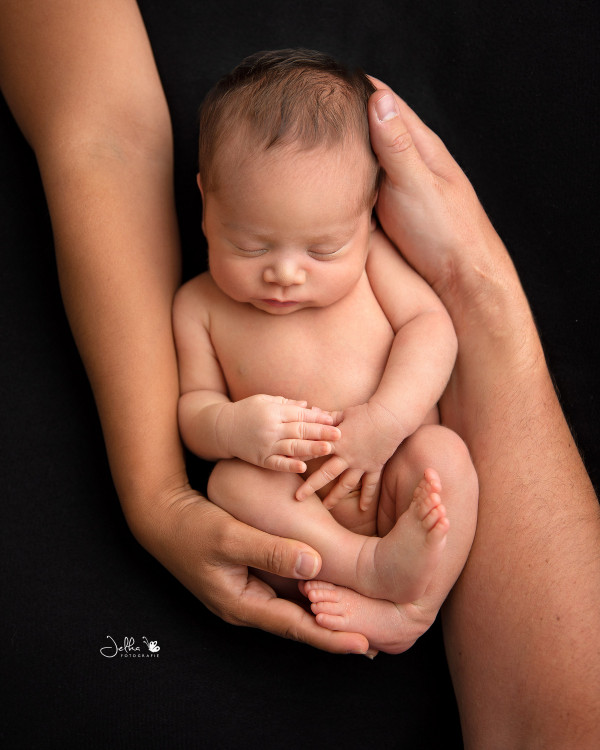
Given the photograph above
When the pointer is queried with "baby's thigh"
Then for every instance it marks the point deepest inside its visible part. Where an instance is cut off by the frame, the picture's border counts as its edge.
(431, 446)
(252, 494)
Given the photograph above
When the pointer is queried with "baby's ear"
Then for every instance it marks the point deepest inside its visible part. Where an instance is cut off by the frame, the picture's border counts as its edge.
(199, 181)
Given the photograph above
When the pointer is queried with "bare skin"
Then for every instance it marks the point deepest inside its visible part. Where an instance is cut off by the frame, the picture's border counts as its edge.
(521, 625)
(340, 336)
(388, 626)
(398, 567)
(82, 84)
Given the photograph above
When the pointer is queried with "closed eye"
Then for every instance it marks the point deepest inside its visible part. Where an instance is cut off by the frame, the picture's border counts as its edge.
(250, 252)
(324, 254)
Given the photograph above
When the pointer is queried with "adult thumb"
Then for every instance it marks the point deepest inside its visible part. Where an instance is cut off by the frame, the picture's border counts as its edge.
(393, 143)
(273, 554)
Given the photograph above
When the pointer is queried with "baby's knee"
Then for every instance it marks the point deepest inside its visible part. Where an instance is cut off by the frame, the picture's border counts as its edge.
(223, 479)
(442, 449)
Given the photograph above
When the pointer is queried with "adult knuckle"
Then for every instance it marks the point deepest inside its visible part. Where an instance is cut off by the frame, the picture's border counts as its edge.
(232, 618)
(226, 539)
(276, 558)
(401, 142)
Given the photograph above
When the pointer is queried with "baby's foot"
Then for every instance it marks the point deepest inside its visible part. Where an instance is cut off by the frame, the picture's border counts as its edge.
(388, 627)
(400, 566)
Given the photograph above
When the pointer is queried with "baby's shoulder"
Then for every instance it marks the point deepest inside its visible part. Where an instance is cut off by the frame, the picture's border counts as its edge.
(199, 290)
(198, 285)
(195, 298)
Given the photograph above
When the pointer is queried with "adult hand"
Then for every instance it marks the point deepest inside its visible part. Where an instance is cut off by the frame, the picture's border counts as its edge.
(209, 552)
(426, 204)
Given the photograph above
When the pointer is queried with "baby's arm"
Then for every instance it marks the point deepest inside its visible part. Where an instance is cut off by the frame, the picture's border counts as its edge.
(415, 376)
(425, 344)
(268, 431)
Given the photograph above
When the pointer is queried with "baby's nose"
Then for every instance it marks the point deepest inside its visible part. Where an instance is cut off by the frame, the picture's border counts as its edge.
(285, 272)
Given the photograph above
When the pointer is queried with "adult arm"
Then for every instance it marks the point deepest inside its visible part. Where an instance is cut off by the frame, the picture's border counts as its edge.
(82, 84)
(521, 626)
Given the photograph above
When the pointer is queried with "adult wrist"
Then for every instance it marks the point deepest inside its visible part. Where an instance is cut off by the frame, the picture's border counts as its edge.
(483, 294)
(146, 507)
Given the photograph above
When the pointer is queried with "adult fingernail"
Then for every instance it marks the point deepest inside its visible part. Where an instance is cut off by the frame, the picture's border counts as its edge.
(386, 108)
(371, 653)
(306, 565)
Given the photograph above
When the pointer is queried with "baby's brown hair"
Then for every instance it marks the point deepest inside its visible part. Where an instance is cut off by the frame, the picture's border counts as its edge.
(283, 97)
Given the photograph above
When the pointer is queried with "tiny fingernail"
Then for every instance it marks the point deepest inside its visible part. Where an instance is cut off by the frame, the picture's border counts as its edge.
(306, 566)
(386, 108)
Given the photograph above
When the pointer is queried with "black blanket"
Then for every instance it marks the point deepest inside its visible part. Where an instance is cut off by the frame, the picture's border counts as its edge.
(512, 90)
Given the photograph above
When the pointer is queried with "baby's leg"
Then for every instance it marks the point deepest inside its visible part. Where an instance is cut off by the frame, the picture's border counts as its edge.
(265, 499)
(394, 627)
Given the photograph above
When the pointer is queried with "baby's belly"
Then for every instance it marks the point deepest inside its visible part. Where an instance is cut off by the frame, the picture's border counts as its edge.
(329, 360)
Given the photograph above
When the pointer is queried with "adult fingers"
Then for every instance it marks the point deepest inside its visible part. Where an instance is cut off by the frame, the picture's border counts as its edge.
(394, 144)
(429, 145)
(244, 545)
(259, 607)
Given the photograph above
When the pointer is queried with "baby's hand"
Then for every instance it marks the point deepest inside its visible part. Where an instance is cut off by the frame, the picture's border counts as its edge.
(370, 436)
(276, 433)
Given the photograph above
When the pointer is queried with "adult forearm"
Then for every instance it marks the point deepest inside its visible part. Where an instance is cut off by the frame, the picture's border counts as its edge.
(82, 84)
(521, 624)
(535, 556)
(116, 246)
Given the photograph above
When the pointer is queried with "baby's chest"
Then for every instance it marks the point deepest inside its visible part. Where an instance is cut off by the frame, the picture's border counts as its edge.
(331, 358)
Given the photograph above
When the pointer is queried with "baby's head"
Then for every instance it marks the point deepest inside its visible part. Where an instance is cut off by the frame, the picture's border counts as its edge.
(288, 179)
(292, 98)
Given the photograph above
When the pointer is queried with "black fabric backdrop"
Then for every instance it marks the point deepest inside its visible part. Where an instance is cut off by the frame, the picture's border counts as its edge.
(513, 91)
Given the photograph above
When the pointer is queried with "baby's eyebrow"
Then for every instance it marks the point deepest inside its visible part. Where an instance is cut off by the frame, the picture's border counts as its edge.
(337, 238)
(330, 237)
(255, 232)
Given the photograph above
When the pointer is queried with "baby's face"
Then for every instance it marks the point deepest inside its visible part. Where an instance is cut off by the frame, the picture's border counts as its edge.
(289, 229)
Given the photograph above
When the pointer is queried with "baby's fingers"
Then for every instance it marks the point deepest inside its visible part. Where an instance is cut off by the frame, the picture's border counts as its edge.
(330, 470)
(336, 416)
(297, 412)
(369, 490)
(346, 484)
(285, 463)
(305, 432)
(303, 449)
